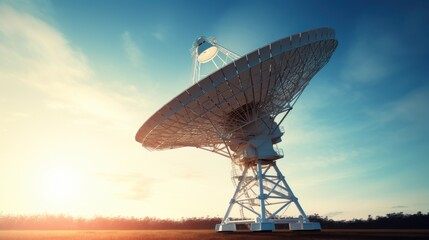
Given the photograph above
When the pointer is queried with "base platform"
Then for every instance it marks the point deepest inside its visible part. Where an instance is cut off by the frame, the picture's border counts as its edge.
(270, 226)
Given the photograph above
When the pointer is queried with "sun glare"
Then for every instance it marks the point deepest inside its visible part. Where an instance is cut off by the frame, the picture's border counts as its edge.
(61, 185)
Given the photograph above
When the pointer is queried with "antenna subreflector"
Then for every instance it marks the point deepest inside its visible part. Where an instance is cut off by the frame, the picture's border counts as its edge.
(235, 109)
(206, 50)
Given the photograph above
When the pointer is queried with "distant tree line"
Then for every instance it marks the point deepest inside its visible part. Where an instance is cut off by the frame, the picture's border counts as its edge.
(391, 220)
(65, 222)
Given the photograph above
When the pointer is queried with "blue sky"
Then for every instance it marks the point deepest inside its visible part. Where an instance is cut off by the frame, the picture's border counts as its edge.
(78, 78)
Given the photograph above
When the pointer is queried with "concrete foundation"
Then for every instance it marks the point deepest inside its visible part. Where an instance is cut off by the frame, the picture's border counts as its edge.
(262, 227)
(270, 226)
(309, 226)
(229, 227)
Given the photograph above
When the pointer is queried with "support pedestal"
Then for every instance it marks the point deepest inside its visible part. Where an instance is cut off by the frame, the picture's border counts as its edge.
(264, 195)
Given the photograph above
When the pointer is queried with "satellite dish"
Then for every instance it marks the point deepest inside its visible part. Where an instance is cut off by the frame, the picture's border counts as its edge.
(236, 111)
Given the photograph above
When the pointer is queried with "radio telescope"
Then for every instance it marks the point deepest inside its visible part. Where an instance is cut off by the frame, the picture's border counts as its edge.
(236, 111)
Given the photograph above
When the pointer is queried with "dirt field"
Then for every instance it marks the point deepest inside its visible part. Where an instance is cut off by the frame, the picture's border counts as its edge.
(210, 234)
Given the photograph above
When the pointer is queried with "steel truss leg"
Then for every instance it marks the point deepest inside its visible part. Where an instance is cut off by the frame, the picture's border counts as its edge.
(257, 190)
(293, 198)
(237, 190)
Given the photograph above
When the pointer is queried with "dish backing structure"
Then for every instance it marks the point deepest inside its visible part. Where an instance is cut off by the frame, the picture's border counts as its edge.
(236, 112)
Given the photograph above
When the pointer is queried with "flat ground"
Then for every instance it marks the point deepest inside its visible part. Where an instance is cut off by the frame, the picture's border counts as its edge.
(210, 234)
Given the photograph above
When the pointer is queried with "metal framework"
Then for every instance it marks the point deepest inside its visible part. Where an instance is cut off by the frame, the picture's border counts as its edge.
(232, 112)
(263, 194)
(221, 59)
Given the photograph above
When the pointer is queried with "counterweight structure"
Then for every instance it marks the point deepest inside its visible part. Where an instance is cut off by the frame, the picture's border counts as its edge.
(236, 112)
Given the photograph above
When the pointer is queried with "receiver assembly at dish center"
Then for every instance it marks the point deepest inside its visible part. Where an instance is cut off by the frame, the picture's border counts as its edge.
(234, 108)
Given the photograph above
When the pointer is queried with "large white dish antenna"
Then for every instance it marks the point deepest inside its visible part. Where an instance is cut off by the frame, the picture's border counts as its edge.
(268, 78)
(232, 112)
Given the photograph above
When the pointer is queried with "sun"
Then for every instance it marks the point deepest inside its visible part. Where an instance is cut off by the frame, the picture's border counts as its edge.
(61, 185)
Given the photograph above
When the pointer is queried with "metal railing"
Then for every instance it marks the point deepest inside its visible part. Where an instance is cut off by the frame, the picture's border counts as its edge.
(282, 129)
(278, 150)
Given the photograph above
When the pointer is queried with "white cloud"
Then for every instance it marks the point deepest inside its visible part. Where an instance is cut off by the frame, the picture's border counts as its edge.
(53, 105)
(383, 47)
(134, 185)
(159, 36)
(371, 57)
(333, 214)
(131, 49)
(34, 55)
(411, 108)
(399, 206)
(245, 36)
(367, 62)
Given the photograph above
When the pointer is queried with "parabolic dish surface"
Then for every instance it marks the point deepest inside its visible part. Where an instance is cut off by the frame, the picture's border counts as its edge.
(265, 80)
